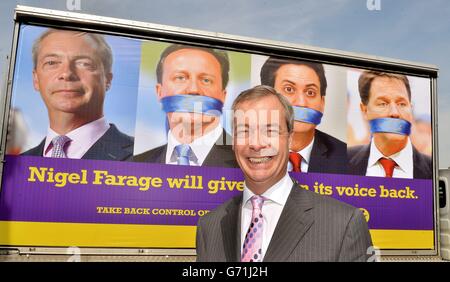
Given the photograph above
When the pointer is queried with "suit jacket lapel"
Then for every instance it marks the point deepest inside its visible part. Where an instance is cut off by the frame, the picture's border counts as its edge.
(358, 163)
(40, 149)
(421, 166)
(161, 158)
(318, 153)
(231, 230)
(294, 222)
(107, 147)
(221, 154)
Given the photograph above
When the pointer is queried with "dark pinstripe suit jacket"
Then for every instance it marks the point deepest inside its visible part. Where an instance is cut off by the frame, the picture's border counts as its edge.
(311, 228)
(113, 145)
(328, 154)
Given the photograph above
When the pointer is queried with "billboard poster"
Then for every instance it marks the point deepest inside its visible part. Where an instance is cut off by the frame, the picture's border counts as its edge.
(97, 155)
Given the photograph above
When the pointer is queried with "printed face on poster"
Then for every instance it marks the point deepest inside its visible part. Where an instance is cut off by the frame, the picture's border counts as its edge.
(110, 134)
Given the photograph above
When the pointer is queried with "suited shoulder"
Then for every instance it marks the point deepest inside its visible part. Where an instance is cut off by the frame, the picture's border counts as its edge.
(330, 207)
(151, 156)
(357, 152)
(331, 141)
(423, 165)
(119, 136)
(215, 216)
(35, 151)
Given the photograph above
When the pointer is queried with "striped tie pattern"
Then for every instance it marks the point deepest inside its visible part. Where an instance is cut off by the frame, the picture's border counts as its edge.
(183, 152)
(58, 146)
(252, 248)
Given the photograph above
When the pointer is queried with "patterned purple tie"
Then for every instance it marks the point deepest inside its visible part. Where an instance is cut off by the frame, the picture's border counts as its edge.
(58, 146)
(252, 248)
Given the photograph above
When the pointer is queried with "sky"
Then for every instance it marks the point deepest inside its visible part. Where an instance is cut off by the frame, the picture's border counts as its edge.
(412, 30)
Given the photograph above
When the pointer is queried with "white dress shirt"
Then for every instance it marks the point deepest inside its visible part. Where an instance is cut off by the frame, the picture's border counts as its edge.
(271, 210)
(306, 156)
(404, 160)
(200, 147)
(82, 138)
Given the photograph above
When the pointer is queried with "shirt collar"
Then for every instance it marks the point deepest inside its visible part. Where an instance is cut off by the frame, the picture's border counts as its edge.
(402, 158)
(83, 133)
(200, 146)
(306, 152)
(278, 193)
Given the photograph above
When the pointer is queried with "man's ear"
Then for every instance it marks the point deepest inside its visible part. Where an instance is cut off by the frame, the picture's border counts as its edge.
(224, 95)
(322, 103)
(290, 138)
(363, 110)
(158, 91)
(35, 81)
(109, 77)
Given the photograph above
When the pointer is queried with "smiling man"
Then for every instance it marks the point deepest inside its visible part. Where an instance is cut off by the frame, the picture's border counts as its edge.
(274, 219)
(191, 89)
(304, 85)
(386, 105)
(72, 71)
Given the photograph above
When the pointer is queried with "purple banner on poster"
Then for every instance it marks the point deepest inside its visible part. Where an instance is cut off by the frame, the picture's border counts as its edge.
(79, 191)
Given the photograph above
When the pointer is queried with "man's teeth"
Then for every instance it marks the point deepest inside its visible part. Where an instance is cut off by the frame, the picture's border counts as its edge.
(259, 160)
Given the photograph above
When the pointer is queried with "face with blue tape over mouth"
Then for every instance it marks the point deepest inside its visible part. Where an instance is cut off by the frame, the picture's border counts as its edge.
(196, 72)
(388, 98)
(300, 85)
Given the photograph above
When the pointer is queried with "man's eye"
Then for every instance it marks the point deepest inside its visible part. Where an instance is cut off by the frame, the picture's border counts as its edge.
(310, 93)
(84, 64)
(51, 63)
(242, 133)
(207, 81)
(272, 133)
(180, 78)
(382, 104)
(289, 89)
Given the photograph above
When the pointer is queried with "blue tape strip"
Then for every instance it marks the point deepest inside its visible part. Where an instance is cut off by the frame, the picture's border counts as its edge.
(307, 115)
(192, 104)
(390, 125)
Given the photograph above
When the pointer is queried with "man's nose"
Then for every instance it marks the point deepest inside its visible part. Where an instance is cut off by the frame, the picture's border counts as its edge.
(193, 87)
(299, 100)
(393, 111)
(68, 71)
(258, 141)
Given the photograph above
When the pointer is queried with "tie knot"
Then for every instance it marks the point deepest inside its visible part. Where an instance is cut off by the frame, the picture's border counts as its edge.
(388, 166)
(257, 202)
(58, 146)
(296, 160)
(184, 154)
(183, 150)
(60, 140)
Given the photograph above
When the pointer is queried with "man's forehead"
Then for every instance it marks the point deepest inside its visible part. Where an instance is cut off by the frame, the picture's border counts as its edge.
(189, 52)
(67, 34)
(388, 87)
(297, 72)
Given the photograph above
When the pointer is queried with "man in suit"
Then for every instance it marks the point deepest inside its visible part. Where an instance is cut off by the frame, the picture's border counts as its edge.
(386, 105)
(72, 72)
(191, 86)
(304, 85)
(274, 219)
